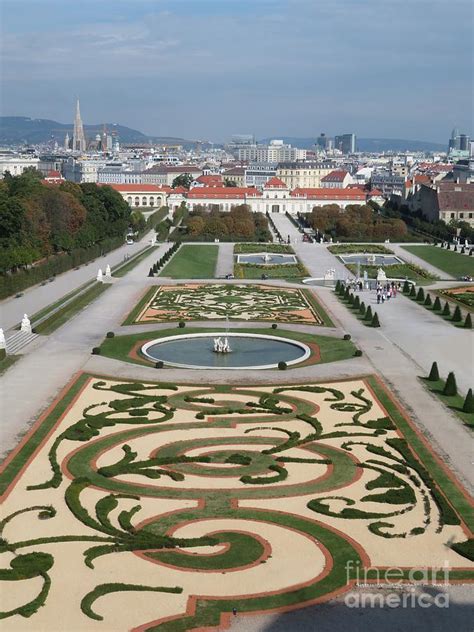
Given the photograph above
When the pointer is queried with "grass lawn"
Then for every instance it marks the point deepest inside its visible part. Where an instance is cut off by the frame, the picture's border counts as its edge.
(192, 262)
(331, 349)
(454, 403)
(263, 247)
(400, 271)
(255, 271)
(65, 313)
(341, 249)
(453, 263)
(122, 269)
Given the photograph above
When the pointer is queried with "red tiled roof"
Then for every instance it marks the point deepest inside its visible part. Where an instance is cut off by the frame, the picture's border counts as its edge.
(329, 194)
(140, 188)
(275, 183)
(337, 175)
(54, 175)
(211, 181)
(222, 192)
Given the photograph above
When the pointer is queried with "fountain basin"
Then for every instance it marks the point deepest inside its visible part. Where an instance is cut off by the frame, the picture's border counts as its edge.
(371, 260)
(267, 259)
(249, 351)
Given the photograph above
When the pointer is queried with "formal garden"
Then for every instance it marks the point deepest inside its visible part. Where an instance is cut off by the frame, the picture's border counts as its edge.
(164, 507)
(454, 263)
(187, 302)
(192, 262)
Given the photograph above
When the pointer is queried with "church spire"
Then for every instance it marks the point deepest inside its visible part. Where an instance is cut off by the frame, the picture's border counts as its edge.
(78, 137)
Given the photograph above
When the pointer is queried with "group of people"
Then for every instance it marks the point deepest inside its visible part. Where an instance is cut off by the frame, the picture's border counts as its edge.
(387, 291)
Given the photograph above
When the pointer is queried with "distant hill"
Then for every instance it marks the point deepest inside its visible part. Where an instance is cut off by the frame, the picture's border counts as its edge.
(17, 130)
(369, 144)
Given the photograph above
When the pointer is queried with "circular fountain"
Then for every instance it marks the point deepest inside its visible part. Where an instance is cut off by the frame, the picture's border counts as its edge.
(267, 259)
(233, 351)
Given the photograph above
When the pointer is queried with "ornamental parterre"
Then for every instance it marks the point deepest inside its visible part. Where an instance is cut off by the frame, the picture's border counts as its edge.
(147, 506)
(218, 302)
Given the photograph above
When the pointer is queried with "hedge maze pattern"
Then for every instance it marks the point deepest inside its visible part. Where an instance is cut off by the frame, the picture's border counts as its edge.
(233, 302)
(191, 501)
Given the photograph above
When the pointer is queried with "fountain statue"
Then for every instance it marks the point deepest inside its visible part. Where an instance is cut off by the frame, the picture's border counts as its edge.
(25, 324)
(221, 346)
(381, 276)
(100, 276)
(266, 257)
(371, 259)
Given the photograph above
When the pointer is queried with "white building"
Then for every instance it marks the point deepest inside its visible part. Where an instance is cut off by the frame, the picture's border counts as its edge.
(15, 164)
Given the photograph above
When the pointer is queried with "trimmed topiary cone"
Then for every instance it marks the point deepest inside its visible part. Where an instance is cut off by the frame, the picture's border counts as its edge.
(338, 286)
(468, 406)
(412, 291)
(150, 274)
(375, 321)
(347, 293)
(356, 302)
(368, 314)
(468, 322)
(457, 316)
(351, 299)
(450, 388)
(362, 309)
(428, 301)
(421, 295)
(406, 287)
(437, 305)
(434, 373)
(446, 310)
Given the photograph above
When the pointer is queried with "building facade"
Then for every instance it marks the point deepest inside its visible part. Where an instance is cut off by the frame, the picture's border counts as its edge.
(304, 174)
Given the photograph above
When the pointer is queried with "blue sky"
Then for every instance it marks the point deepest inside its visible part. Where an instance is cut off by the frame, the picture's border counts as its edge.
(210, 68)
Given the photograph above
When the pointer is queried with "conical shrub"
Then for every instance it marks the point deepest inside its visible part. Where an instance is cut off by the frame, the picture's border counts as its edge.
(375, 320)
(434, 373)
(338, 286)
(468, 322)
(421, 295)
(368, 313)
(437, 305)
(428, 301)
(347, 293)
(446, 310)
(450, 388)
(468, 406)
(150, 274)
(351, 299)
(356, 302)
(457, 316)
(412, 291)
(362, 309)
(406, 287)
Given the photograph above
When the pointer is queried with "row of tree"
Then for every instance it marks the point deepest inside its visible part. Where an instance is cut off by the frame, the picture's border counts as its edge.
(355, 222)
(238, 224)
(38, 220)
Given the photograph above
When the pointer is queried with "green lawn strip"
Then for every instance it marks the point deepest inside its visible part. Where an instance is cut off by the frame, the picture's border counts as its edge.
(446, 483)
(65, 313)
(318, 308)
(453, 402)
(331, 349)
(349, 249)
(122, 269)
(8, 474)
(263, 247)
(7, 362)
(192, 262)
(146, 298)
(397, 271)
(294, 272)
(453, 263)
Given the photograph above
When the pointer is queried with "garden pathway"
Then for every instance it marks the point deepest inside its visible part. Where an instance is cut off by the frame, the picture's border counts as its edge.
(225, 260)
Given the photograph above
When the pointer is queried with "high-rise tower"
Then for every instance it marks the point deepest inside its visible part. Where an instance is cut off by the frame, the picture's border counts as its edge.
(78, 137)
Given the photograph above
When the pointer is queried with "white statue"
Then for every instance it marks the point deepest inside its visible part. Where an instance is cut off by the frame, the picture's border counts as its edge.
(108, 271)
(266, 257)
(25, 324)
(381, 276)
(330, 274)
(3, 342)
(371, 259)
(100, 276)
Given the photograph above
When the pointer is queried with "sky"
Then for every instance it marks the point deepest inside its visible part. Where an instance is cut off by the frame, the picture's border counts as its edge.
(207, 69)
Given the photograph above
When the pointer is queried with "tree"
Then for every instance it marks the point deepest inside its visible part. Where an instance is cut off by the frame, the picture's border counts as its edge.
(446, 309)
(183, 180)
(229, 183)
(406, 287)
(434, 373)
(468, 406)
(412, 291)
(450, 388)
(468, 322)
(421, 295)
(457, 316)
(375, 321)
(428, 302)
(437, 305)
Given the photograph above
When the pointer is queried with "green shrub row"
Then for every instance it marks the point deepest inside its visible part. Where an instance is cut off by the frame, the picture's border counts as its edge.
(164, 259)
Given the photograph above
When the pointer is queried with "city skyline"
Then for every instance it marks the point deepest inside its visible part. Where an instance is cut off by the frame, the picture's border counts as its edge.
(208, 69)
